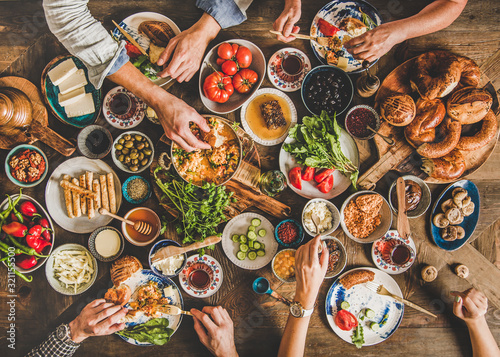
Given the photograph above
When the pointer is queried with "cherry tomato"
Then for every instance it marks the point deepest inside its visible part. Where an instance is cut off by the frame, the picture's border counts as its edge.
(244, 80)
(345, 320)
(294, 175)
(225, 51)
(218, 87)
(229, 67)
(243, 57)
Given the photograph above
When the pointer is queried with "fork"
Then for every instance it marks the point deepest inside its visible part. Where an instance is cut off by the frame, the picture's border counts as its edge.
(379, 289)
(173, 310)
(322, 41)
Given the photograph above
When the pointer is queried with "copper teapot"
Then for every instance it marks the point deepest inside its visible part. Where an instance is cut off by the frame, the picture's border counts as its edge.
(16, 110)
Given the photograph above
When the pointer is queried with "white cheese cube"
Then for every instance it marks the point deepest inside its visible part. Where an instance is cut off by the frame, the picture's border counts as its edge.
(62, 71)
(71, 97)
(75, 81)
(83, 107)
(342, 63)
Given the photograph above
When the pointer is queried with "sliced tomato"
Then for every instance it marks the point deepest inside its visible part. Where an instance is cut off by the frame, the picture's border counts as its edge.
(327, 28)
(294, 175)
(345, 320)
(308, 173)
(326, 185)
(225, 51)
(323, 174)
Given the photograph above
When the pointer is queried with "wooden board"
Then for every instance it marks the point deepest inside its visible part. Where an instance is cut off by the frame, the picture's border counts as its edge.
(402, 157)
(38, 129)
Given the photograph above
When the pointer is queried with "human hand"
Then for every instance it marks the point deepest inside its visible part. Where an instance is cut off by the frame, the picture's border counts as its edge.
(187, 49)
(98, 318)
(285, 23)
(375, 43)
(215, 330)
(310, 269)
(470, 305)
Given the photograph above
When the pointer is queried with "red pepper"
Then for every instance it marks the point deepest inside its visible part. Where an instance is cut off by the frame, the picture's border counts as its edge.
(44, 223)
(24, 261)
(308, 173)
(15, 229)
(28, 209)
(35, 230)
(47, 236)
(327, 28)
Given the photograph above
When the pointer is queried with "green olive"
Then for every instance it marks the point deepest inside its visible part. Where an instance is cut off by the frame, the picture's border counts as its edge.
(127, 136)
(118, 146)
(129, 144)
(147, 152)
(138, 137)
(134, 168)
(125, 151)
(126, 159)
(144, 162)
(141, 155)
(134, 161)
(134, 155)
(121, 158)
(121, 141)
(140, 146)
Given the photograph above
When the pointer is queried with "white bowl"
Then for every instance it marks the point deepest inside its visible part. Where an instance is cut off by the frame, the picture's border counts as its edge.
(292, 279)
(123, 167)
(335, 217)
(130, 239)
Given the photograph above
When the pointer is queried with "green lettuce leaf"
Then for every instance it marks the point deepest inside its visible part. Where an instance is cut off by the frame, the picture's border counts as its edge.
(155, 331)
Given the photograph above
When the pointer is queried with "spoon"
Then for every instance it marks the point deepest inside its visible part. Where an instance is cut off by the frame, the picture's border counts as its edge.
(314, 219)
(387, 139)
(262, 286)
(403, 225)
(139, 226)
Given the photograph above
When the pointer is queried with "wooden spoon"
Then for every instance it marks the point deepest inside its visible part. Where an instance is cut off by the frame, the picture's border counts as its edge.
(140, 226)
(171, 250)
(403, 225)
(322, 41)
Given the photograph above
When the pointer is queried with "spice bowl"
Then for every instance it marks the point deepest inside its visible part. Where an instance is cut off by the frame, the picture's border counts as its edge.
(307, 219)
(155, 248)
(289, 233)
(136, 190)
(342, 257)
(284, 262)
(357, 120)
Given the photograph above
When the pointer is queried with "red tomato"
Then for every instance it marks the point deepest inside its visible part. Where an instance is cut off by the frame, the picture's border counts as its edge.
(220, 61)
(327, 28)
(323, 174)
(244, 80)
(225, 51)
(229, 67)
(345, 320)
(326, 185)
(243, 57)
(132, 51)
(218, 87)
(294, 175)
(235, 48)
(308, 173)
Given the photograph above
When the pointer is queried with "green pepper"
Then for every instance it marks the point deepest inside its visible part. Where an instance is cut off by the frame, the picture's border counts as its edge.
(5, 248)
(21, 275)
(25, 249)
(10, 207)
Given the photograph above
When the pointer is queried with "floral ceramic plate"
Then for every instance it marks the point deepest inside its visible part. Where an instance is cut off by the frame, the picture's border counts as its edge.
(138, 110)
(274, 67)
(211, 266)
(381, 263)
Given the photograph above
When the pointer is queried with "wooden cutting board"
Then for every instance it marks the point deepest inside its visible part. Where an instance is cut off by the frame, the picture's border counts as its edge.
(38, 129)
(402, 157)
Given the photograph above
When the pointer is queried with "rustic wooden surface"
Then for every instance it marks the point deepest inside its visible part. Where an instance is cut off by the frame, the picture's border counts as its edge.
(26, 46)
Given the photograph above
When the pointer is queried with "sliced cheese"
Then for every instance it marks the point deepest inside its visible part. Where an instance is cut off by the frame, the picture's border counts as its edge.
(71, 97)
(75, 81)
(62, 71)
(83, 107)
(342, 63)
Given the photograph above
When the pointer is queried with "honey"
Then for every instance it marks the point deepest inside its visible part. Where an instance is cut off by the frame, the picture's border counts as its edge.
(145, 216)
(256, 121)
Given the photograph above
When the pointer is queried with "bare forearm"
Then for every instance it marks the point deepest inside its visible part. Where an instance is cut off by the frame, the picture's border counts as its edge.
(294, 338)
(483, 343)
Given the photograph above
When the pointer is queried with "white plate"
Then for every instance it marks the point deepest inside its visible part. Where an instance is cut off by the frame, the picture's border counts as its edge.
(275, 62)
(247, 128)
(239, 225)
(54, 195)
(131, 25)
(142, 278)
(381, 263)
(340, 181)
(214, 286)
(359, 298)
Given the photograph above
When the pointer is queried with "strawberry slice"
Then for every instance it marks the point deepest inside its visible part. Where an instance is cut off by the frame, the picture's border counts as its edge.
(294, 175)
(323, 174)
(326, 185)
(308, 173)
(327, 28)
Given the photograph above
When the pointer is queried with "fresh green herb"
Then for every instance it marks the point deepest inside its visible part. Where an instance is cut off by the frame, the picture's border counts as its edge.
(235, 125)
(357, 337)
(317, 144)
(154, 331)
(367, 20)
(149, 69)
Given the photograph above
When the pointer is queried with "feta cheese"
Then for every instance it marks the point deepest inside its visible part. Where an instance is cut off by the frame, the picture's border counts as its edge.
(170, 265)
(71, 97)
(75, 81)
(83, 107)
(325, 217)
(62, 71)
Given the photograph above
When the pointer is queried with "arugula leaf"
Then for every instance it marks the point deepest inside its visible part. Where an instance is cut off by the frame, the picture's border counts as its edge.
(155, 331)
(358, 337)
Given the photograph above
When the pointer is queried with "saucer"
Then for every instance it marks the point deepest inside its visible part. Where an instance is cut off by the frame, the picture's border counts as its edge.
(275, 62)
(381, 263)
(213, 264)
(129, 122)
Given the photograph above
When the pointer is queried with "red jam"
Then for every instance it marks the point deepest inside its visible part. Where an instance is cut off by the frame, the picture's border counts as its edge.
(288, 232)
(358, 120)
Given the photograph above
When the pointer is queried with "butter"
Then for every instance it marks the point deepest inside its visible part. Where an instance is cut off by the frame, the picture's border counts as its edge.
(71, 97)
(83, 107)
(75, 81)
(62, 71)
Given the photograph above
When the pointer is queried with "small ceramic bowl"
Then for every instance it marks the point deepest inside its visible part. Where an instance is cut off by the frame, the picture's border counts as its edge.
(122, 166)
(17, 150)
(335, 216)
(61, 287)
(153, 236)
(100, 134)
(93, 249)
(425, 200)
(341, 263)
(385, 219)
(290, 280)
(297, 241)
(374, 124)
(127, 196)
(155, 248)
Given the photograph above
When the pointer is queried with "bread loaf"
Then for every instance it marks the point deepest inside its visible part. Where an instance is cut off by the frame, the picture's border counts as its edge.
(158, 32)
(450, 130)
(430, 113)
(449, 167)
(469, 105)
(488, 132)
(398, 110)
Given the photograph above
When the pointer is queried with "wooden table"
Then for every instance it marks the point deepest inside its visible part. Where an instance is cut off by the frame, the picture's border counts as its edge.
(26, 46)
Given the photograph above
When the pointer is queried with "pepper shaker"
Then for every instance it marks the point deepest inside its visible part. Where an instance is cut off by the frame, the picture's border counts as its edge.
(367, 84)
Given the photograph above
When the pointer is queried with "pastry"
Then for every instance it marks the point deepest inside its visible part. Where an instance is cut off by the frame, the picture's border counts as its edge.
(469, 105)
(124, 268)
(159, 32)
(451, 130)
(429, 114)
(488, 131)
(398, 110)
(448, 167)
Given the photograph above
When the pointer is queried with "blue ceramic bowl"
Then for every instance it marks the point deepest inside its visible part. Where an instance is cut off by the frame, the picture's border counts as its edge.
(304, 90)
(19, 149)
(297, 241)
(156, 247)
(125, 192)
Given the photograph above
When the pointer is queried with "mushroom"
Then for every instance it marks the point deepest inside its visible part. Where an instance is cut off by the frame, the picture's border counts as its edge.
(454, 215)
(462, 271)
(469, 209)
(429, 273)
(446, 205)
(458, 190)
(460, 232)
(440, 220)
(449, 233)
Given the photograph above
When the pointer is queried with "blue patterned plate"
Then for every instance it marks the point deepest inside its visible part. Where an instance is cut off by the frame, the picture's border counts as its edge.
(359, 298)
(381, 263)
(274, 65)
(212, 265)
(142, 278)
(51, 95)
(334, 12)
(469, 224)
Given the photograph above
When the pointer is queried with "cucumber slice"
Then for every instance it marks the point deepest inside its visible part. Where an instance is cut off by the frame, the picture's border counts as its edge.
(241, 255)
(255, 222)
(370, 313)
(235, 238)
(256, 245)
(251, 228)
(252, 255)
(374, 326)
(243, 238)
(244, 248)
(252, 235)
(262, 232)
(344, 305)
(251, 244)
(261, 252)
